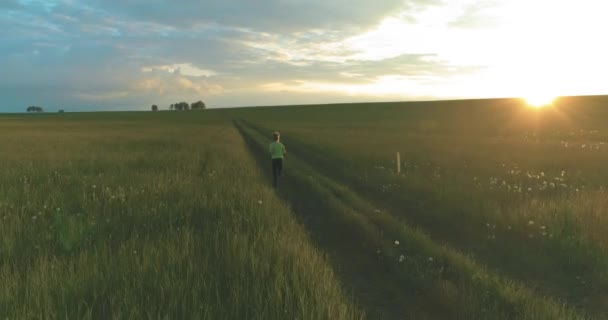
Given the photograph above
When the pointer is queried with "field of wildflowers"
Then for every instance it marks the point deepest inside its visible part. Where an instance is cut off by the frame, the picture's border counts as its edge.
(499, 212)
(518, 194)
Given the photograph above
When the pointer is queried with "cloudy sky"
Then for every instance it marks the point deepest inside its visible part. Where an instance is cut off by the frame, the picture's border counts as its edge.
(129, 54)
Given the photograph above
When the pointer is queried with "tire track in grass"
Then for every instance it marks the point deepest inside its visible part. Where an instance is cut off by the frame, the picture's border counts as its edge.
(393, 269)
(357, 268)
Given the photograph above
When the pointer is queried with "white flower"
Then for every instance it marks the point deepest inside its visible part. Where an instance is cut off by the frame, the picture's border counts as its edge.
(530, 223)
(431, 259)
(260, 201)
(401, 258)
(396, 242)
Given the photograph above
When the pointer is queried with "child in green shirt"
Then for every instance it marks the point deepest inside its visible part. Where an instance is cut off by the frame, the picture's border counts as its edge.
(277, 152)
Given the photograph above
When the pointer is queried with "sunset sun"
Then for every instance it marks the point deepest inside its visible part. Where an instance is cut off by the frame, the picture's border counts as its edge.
(539, 100)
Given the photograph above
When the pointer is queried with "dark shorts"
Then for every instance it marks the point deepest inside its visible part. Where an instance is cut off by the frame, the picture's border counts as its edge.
(277, 168)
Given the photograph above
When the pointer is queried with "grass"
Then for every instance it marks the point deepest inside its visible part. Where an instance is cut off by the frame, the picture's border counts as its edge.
(142, 219)
(498, 212)
(412, 262)
(476, 186)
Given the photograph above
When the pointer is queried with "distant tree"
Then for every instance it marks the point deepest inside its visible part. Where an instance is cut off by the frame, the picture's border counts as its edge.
(199, 105)
(180, 106)
(34, 109)
(60, 111)
(154, 107)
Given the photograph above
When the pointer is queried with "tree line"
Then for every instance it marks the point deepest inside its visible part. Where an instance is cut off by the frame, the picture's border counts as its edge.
(34, 109)
(182, 106)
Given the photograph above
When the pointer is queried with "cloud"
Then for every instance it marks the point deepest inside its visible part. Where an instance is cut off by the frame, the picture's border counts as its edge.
(478, 14)
(181, 68)
(104, 54)
(174, 84)
(9, 5)
(276, 16)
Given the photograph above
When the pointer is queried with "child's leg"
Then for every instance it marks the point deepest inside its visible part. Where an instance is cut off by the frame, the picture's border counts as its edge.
(275, 172)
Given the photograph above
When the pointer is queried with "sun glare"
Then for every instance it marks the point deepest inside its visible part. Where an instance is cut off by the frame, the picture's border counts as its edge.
(539, 100)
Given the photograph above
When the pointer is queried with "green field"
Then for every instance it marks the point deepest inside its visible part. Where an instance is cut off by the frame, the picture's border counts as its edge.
(499, 212)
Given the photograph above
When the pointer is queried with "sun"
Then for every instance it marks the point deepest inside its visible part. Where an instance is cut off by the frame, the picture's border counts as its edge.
(539, 100)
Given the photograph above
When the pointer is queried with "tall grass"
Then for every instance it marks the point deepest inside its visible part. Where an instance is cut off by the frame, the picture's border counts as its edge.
(521, 191)
(447, 283)
(131, 217)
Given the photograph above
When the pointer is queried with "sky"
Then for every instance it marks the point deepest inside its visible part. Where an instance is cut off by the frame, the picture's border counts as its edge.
(129, 54)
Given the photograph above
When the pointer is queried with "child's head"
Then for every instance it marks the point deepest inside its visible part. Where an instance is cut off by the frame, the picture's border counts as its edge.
(276, 136)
